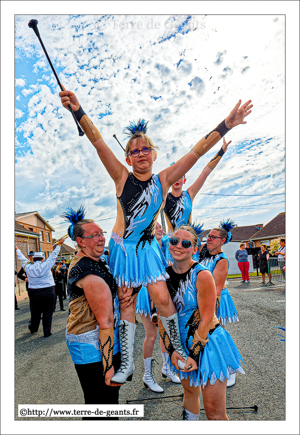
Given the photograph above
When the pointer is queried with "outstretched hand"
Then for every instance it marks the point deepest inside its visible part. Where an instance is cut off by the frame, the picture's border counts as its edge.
(69, 98)
(238, 114)
(225, 144)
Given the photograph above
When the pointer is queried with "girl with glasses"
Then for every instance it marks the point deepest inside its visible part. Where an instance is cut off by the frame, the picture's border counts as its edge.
(212, 352)
(135, 258)
(212, 257)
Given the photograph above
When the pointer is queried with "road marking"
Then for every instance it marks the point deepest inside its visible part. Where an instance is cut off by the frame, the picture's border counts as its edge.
(260, 288)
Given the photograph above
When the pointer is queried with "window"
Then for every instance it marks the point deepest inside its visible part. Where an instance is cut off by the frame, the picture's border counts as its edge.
(48, 237)
(30, 228)
(42, 235)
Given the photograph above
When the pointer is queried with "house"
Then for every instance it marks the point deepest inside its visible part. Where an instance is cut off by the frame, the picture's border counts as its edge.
(272, 230)
(66, 251)
(243, 234)
(34, 223)
(26, 241)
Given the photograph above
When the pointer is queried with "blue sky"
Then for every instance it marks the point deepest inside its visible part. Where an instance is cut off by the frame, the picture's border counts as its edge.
(183, 73)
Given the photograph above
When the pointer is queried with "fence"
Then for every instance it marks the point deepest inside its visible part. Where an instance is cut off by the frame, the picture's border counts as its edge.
(276, 270)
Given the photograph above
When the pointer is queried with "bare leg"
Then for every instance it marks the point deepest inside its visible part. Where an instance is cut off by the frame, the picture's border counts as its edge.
(191, 399)
(129, 312)
(151, 334)
(161, 297)
(214, 400)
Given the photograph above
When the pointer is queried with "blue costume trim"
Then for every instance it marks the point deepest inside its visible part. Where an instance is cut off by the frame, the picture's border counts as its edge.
(143, 303)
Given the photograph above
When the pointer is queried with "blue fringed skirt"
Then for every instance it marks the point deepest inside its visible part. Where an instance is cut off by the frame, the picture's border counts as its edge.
(132, 267)
(143, 303)
(227, 313)
(219, 359)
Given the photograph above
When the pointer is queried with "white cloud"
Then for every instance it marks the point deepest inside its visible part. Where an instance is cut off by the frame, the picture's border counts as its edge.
(115, 67)
(20, 82)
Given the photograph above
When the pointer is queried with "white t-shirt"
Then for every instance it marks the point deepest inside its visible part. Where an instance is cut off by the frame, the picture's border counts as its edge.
(280, 256)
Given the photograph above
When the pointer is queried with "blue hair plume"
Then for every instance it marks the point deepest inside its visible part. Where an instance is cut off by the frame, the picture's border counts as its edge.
(73, 217)
(227, 226)
(135, 127)
(198, 230)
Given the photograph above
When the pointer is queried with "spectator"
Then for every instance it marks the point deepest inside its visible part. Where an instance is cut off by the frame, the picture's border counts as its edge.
(281, 256)
(40, 288)
(263, 258)
(241, 256)
(64, 269)
(16, 302)
(59, 285)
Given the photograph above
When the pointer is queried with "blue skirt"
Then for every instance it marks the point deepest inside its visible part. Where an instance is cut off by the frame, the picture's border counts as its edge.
(132, 267)
(227, 313)
(143, 303)
(220, 358)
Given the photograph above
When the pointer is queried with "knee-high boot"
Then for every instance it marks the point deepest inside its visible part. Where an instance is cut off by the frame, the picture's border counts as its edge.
(171, 326)
(125, 372)
(166, 369)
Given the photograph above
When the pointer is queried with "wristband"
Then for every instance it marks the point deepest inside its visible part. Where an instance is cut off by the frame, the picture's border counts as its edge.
(197, 346)
(215, 160)
(207, 142)
(88, 127)
(106, 338)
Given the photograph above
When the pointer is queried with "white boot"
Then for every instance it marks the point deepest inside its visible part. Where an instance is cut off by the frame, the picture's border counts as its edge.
(166, 369)
(171, 326)
(148, 377)
(125, 372)
(231, 380)
(188, 415)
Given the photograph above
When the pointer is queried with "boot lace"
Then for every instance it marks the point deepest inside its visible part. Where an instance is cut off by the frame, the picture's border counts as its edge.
(175, 337)
(124, 347)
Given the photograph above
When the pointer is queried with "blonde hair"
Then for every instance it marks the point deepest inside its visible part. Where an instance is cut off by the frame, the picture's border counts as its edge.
(190, 230)
(265, 246)
(242, 244)
(139, 135)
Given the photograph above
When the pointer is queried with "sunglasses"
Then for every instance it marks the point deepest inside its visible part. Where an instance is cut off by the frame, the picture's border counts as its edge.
(184, 243)
(136, 152)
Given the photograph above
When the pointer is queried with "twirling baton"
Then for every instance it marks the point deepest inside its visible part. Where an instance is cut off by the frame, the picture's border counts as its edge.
(63, 237)
(33, 25)
(119, 142)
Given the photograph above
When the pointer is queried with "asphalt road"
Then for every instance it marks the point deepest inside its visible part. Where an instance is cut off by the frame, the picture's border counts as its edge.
(45, 374)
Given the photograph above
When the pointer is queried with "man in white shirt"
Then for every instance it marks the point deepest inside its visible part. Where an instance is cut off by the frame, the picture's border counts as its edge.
(40, 288)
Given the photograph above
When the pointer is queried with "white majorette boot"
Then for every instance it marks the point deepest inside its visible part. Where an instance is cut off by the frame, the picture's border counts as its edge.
(231, 380)
(148, 378)
(125, 372)
(166, 369)
(171, 326)
(188, 415)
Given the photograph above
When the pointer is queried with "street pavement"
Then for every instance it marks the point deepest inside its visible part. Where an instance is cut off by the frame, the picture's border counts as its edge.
(45, 374)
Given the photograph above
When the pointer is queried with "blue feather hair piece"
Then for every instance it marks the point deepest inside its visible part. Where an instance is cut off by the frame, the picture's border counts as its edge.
(198, 230)
(136, 127)
(227, 226)
(73, 217)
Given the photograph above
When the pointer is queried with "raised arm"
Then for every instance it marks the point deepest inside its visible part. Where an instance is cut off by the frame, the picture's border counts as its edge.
(114, 167)
(196, 186)
(171, 174)
(21, 257)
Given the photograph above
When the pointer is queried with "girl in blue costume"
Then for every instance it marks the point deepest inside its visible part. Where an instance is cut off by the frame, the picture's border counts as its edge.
(212, 257)
(134, 255)
(144, 307)
(212, 352)
(179, 203)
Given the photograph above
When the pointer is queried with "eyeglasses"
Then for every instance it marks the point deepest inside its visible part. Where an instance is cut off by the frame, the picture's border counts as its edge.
(184, 243)
(95, 236)
(214, 237)
(136, 152)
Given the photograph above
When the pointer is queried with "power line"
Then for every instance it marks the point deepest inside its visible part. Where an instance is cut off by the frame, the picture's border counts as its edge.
(264, 194)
